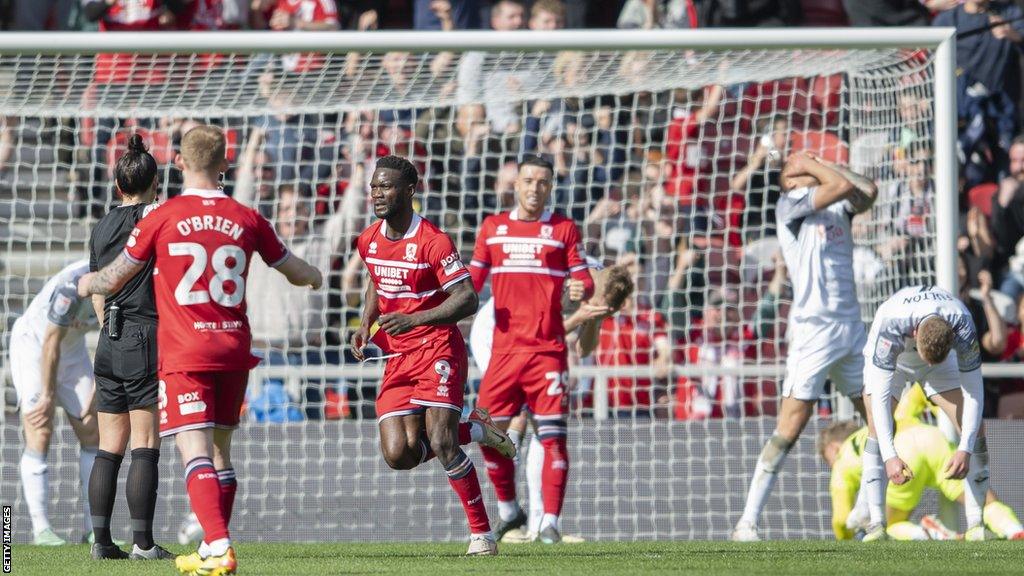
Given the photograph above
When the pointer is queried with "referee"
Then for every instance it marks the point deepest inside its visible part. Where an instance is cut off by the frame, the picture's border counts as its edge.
(125, 367)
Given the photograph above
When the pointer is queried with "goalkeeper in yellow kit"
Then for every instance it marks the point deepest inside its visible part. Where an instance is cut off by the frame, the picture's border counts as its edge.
(925, 449)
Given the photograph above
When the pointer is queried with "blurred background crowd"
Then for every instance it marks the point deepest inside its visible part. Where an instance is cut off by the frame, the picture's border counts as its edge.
(678, 185)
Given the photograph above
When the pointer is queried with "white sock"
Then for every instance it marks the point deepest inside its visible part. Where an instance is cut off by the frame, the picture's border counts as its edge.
(486, 535)
(859, 515)
(976, 484)
(508, 510)
(517, 438)
(773, 455)
(534, 471)
(35, 482)
(873, 481)
(86, 458)
(216, 548)
(550, 520)
(476, 431)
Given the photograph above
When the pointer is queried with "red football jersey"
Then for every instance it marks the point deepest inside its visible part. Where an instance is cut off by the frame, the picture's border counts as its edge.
(131, 16)
(203, 243)
(411, 274)
(529, 261)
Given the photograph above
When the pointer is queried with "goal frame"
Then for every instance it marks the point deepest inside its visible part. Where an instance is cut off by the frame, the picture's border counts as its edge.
(941, 40)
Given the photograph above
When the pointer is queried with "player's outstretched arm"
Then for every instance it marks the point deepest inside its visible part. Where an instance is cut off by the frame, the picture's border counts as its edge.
(835, 183)
(300, 273)
(462, 302)
(111, 278)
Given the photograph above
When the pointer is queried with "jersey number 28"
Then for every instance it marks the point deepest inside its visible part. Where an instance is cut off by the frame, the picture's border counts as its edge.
(186, 296)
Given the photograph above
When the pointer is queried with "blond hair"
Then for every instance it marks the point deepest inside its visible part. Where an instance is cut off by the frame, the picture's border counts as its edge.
(203, 148)
(555, 7)
(934, 339)
(836, 432)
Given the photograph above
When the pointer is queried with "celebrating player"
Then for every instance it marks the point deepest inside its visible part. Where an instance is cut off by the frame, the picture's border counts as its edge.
(612, 286)
(126, 378)
(418, 291)
(926, 451)
(202, 242)
(530, 252)
(826, 334)
(912, 337)
(49, 366)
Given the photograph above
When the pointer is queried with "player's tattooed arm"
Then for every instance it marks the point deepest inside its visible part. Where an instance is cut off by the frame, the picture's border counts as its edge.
(864, 191)
(462, 302)
(110, 279)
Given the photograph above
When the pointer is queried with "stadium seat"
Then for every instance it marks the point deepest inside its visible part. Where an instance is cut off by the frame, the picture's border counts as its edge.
(980, 197)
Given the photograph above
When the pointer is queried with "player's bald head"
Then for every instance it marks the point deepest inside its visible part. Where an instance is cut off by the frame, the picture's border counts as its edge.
(934, 338)
(204, 149)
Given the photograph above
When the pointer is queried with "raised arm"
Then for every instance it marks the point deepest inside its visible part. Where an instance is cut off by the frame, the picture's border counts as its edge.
(864, 191)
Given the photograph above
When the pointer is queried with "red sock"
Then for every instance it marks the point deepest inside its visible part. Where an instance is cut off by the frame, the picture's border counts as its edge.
(555, 477)
(204, 494)
(462, 477)
(228, 487)
(502, 472)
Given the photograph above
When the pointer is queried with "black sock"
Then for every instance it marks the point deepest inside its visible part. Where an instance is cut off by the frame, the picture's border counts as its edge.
(143, 480)
(102, 492)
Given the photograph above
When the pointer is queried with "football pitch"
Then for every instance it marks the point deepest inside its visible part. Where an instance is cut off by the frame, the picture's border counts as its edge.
(704, 558)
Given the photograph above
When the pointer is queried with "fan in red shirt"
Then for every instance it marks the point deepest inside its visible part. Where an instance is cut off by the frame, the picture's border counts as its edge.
(418, 291)
(636, 337)
(530, 252)
(202, 243)
(306, 15)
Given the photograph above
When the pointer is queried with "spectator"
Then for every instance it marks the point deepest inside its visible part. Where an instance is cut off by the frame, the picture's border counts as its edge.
(648, 14)
(463, 14)
(1008, 218)
(976, 245)
(749, 13)
(682, 143)
(913, 193)
(991, 328)
(759, 179)
(547, 15)
(473, 86)
(988, 87)
(894, 12)
(636, 336)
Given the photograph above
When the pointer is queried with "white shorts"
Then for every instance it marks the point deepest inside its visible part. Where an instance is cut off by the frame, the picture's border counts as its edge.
(820, 351)
(74, 376)
(911, 368)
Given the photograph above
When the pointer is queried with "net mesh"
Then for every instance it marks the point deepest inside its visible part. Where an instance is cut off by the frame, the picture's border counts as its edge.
(667, 160)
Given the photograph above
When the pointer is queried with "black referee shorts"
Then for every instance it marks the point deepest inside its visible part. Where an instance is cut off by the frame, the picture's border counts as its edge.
(126, 369)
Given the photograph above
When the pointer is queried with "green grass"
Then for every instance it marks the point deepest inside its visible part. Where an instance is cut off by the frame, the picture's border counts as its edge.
(704, 558)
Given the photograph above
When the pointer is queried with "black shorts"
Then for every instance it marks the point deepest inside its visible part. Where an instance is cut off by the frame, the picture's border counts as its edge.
(126, 369)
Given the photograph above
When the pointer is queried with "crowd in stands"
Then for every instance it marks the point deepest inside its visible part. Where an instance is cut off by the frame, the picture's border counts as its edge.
(678, 185)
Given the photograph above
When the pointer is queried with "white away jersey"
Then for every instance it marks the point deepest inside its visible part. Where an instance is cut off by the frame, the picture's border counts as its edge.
(58, 303)
(818, 248)
(892, 331)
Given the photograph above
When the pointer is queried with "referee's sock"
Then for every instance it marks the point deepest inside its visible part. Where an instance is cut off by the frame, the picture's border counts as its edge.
(143, 481)
(102, 492)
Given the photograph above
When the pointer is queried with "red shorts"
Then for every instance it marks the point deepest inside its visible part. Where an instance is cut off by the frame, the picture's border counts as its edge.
(428, 377)
(536, 380)
(193, 400)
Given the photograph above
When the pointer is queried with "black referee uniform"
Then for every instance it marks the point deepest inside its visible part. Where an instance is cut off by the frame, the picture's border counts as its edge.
(125, 364)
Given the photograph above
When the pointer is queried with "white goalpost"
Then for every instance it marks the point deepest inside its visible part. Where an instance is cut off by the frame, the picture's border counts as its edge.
(653, 134)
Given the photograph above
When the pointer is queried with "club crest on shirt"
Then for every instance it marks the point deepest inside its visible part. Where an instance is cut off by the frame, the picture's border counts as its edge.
(546, 232)
(373, 248)
(410, 252)
(502, 230)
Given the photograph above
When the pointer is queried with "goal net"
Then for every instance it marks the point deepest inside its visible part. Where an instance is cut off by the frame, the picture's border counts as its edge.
(668, 160)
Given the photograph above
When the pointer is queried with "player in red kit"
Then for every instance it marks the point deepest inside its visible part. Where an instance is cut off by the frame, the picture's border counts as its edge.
(529, 253)
(418, 291)
(202, 243)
